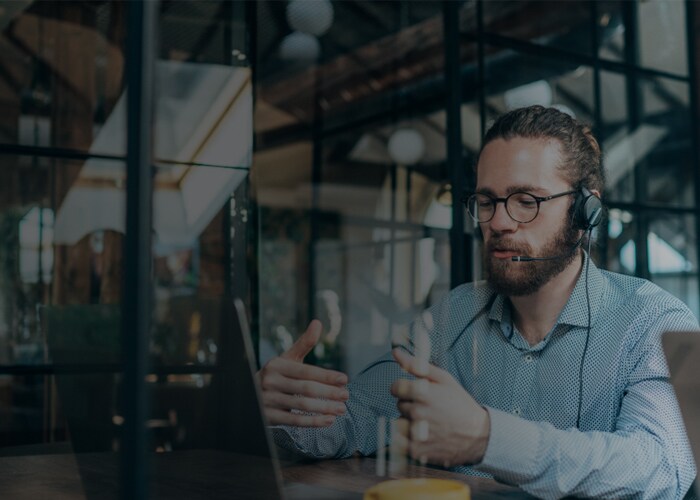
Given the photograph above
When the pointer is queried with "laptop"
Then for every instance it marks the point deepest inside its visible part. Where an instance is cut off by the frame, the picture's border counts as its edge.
(682, 350)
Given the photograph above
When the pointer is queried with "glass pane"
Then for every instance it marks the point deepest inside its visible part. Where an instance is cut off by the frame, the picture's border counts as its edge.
(327, 107)
(386, 173)
(369, 288)
(667, 150)
(620, 246)
(564, 25)
(662, 36)
(661, 32)
(365, 287)
(351, 70)
(673, 263)
(658, 147)
(63, 74)
(60, 282)
(617, 144)
(62, 246)
(199, 259)
(514, 80)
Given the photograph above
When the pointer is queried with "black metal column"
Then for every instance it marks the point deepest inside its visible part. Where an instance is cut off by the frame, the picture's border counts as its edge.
(635, 116)
(455, 159)
(137, 290)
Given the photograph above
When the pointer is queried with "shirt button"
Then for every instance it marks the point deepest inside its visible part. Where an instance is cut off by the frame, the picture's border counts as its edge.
(528, 358)
(516, 411)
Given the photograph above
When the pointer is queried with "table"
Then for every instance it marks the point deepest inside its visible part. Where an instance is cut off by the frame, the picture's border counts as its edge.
(355, 475)
(206, 474)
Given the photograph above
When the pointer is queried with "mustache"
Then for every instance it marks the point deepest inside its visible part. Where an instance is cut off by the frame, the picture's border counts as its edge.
(506, 245)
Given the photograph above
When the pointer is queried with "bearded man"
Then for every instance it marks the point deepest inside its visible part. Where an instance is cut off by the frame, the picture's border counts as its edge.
(551, 374)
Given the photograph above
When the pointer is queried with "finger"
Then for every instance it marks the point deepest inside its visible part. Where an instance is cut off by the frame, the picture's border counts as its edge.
(401, 389)
(309, 388)
(405, 408)
(420, 430)
(300, 371)
(305, 343)
(287, 402)
(412, 390)
(408, 363)
(281, 417)
(412, 411)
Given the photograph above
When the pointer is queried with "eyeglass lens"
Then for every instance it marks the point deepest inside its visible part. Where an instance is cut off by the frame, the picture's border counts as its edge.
(522, 207)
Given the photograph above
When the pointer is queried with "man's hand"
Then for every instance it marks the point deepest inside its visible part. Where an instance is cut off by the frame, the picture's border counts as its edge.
(458, 427)
(289, 385)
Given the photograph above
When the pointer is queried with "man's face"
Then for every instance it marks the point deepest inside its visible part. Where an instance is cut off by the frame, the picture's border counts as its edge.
(529, 165)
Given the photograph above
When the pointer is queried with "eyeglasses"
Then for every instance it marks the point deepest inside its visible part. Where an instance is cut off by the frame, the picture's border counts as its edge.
(521, 207)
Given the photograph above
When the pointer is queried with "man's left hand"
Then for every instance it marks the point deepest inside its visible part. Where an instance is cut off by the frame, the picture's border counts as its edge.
(458, 427)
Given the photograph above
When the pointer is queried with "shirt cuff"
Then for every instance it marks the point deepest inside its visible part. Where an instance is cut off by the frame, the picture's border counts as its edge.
(513, 448)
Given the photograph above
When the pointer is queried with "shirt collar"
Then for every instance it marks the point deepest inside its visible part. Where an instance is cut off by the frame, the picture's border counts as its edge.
(575, 312)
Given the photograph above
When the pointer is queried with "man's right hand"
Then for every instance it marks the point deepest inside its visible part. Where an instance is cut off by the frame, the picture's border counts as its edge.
(288, 384)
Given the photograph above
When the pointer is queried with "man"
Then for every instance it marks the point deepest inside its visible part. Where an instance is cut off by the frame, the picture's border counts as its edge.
(551, 373)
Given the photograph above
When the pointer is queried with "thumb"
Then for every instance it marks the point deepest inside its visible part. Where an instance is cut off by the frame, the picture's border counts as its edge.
(305, 343)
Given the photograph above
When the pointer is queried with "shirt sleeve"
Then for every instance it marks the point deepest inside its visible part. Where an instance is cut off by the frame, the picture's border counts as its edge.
(356, 431)
(646, 456)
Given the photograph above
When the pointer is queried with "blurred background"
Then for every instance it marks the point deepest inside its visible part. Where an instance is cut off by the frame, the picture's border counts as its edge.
(309, 157)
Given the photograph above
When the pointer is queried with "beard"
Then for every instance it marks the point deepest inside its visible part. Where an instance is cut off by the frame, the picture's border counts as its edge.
(525, 278)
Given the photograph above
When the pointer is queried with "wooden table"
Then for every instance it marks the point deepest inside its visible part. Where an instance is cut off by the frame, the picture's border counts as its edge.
(206, 474)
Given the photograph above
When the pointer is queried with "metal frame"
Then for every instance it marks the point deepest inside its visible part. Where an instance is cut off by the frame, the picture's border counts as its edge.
(459, 271)
(137, 292)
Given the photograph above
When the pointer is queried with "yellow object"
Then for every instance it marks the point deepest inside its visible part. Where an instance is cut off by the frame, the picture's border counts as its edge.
(419, 489)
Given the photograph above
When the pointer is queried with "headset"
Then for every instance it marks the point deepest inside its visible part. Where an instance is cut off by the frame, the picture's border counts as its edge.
(588, 210)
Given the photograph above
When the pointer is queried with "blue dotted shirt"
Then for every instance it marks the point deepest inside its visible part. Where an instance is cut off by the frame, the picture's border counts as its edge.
(631, 440)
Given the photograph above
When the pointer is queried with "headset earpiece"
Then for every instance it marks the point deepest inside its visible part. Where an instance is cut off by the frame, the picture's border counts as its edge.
(588, 210)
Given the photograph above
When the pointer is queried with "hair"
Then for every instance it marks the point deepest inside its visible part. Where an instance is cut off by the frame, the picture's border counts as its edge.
(581, 158)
